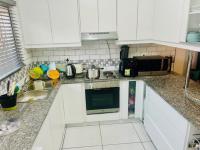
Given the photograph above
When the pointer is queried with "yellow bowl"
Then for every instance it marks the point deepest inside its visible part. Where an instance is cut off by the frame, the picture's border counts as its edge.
(53, 74)
(34, 75)
(38, 70)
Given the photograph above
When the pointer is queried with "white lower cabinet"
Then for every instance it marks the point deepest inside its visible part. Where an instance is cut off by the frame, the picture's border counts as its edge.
(166, 127)
(52, 130)
(44, 139)
(74, 103)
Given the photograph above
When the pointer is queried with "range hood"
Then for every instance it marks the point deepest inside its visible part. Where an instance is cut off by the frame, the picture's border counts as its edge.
(99, 36)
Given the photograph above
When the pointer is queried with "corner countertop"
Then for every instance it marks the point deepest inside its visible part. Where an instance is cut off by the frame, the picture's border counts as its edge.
(31, 117)
(169, 87)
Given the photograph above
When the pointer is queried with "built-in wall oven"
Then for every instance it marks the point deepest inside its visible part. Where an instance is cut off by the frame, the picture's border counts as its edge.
(102, 97)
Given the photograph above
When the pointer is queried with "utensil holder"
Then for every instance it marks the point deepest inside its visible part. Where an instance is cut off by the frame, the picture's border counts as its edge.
(8, 102)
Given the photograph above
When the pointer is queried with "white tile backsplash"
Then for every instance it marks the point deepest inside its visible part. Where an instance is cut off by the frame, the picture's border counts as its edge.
(98, 50)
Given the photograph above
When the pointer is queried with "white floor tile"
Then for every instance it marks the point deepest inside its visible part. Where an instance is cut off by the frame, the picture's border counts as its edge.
(118, 133)
(132, 146)
(119, 121)
(82, 136)
(149, 146)
(141, 132)
(86, 148)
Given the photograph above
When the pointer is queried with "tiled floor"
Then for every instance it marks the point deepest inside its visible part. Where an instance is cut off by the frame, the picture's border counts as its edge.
(112, 135)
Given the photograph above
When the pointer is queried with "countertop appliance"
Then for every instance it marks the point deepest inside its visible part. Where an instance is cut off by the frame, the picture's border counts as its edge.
(70, 70)
(93, 72)
(153, 65)
(145, 65)
(102, 97)
(124, 52)
(128, 67)
(79, 68)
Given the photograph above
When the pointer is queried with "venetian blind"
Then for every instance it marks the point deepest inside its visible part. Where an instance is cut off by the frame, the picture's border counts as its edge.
(10, 58)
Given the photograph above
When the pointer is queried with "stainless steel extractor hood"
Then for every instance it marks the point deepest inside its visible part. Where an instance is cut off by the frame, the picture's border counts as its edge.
(99, 36)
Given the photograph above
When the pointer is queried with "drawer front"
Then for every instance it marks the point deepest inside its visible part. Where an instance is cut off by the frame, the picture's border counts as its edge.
(156, 135)
(172, 136)
(169, 113)
(171, 124)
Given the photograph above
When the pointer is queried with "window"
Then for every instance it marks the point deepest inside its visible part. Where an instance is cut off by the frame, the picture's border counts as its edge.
(10, 60)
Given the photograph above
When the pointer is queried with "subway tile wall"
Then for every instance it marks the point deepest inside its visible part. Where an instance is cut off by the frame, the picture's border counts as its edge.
(97, 50)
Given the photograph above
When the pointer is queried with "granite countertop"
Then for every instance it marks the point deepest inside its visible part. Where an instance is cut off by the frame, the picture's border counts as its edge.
(169, 87)
(31, 117)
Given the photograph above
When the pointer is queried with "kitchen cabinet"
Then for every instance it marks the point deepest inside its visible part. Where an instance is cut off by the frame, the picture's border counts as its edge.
(127, 20)
(168, 20)
(49, 23)
(89, 16)
(44, 139)
(74, 103)
(145, 19)
(166, 127)
(35, 21)
(65, 21)
(98, 15)
(107, 15)
(52, 130)
(57, 121)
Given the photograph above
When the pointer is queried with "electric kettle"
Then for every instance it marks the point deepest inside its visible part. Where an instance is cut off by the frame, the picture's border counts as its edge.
(70, 70)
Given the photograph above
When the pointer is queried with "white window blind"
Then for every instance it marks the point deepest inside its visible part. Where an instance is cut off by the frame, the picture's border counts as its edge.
(10, 58)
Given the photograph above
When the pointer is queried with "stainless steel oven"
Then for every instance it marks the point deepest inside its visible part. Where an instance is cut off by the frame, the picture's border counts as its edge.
(102, 97)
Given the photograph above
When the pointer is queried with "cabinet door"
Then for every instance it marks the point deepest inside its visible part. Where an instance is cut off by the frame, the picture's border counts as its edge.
(57, 123)
(74, 103)
(127, 20)
(44, 138)
(107, 15)
(89, 15)
(168, 20)
(35, 21)
(167, 128)
(65, 21)
(145, 19)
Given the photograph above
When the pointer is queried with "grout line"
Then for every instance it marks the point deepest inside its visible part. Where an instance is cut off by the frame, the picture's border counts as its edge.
(136, 132)
(82, 147)
(101, 135)
(63, 138)
(122, 143)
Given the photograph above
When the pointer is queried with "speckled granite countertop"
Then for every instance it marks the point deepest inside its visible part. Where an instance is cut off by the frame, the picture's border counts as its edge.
(31, 118)
(169, 87)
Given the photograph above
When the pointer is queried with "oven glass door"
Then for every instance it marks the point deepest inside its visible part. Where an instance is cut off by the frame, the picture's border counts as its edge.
(104, 100)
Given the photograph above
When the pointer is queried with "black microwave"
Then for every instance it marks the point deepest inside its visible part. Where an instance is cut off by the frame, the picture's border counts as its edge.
(145, 65)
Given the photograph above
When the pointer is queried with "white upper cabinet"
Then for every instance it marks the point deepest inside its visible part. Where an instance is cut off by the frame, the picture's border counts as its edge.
(168, 20)
(35, 21)
(107, 15)
(49, 23)
(127, 20)
(98, 15)
(89, 15)
(65, 21)
(145, 19)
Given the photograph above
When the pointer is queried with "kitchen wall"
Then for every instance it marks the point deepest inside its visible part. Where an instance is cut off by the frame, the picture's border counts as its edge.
(98, 52)
(91, 52)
